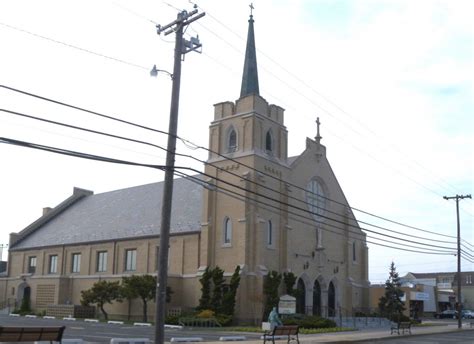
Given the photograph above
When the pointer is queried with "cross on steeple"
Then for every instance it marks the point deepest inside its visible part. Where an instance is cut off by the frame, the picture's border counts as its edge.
(318, 137)
(251, 8)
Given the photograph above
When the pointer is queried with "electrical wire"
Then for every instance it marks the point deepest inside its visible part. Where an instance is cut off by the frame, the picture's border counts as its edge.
(293, 88)
(74, 46)
(161, 167)
(229, 192)
(189, 156)
(199, 147)
(305, 84)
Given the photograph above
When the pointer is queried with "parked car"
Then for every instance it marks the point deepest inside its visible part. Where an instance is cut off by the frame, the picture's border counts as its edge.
(467, 314)
(450, 314)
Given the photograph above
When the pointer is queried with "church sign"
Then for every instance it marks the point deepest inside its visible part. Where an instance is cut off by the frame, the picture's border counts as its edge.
(287, 305)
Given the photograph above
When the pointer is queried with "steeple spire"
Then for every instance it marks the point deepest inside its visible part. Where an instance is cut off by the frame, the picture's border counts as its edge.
(250, 74)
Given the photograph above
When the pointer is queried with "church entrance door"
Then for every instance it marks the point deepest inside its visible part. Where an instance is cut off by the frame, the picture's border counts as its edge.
(316, 298)
(301, 298)
(331, 300)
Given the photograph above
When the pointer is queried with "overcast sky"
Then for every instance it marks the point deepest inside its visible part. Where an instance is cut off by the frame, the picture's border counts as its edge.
(392, 83)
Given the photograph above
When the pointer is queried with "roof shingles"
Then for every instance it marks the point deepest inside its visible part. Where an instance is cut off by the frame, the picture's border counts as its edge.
(120, 214)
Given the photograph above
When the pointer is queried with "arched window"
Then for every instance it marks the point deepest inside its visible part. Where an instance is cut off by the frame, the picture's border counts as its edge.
(269, 233)
(227, 235)
(232, 141)
(354, 255)
(268, 142)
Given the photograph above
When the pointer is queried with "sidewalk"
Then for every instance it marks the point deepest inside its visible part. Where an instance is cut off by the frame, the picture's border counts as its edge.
(370, 334)
(374, 334)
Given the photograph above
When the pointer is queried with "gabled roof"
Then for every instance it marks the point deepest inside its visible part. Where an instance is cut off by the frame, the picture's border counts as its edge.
(429, 274)
(121, 214)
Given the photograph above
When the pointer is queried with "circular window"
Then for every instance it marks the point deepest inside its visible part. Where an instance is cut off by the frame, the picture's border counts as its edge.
(316, 199)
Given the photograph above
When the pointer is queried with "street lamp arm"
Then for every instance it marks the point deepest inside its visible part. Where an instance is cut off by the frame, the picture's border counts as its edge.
(154, 72)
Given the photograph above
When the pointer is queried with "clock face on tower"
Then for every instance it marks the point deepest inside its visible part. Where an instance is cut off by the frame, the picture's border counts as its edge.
(315, 199)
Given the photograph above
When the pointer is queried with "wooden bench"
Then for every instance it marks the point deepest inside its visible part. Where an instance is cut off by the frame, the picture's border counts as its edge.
(288, 331)
(31, 334)
(404, 326)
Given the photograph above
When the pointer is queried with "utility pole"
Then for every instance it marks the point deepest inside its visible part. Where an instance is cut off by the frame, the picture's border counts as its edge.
(182, 47)
(457, 198)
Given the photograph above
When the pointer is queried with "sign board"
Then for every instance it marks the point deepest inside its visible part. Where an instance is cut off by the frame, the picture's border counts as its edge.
(419, 296)
(444, 285)
(287, 305)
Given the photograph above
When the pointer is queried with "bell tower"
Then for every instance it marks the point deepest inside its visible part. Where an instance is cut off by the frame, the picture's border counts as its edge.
(250, 125)
(248, 147)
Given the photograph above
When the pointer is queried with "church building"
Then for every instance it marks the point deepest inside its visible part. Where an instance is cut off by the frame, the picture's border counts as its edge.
(253, 206)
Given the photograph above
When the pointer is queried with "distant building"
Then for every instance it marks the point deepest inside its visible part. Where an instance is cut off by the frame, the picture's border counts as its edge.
(429, 293)
(255, 207)
(3, 267)
(446, 286)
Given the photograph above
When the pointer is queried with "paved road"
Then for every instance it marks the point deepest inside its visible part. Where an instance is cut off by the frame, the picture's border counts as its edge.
(464, 337)
(102, 332)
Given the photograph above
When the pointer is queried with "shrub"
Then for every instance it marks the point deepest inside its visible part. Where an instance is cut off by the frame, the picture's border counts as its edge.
(398, 318)
(310, 322)
(224, 319)
(172, 319)
(207, 313)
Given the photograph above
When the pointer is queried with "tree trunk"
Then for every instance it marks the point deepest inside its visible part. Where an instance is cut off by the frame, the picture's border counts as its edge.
(145, 316)
(101, 306)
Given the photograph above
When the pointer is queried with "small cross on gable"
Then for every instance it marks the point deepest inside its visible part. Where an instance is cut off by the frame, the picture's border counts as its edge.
(318, 136)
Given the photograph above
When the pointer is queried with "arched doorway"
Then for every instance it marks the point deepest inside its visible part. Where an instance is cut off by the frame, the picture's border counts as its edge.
(23, 293)
(301, 297)
(331, 300)
(316, 298)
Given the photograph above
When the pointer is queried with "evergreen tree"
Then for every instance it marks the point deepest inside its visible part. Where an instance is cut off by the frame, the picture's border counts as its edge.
(228, 301)
(271, 283)
(218, 283)
(391, 304)
(289, 280)
(205, 280)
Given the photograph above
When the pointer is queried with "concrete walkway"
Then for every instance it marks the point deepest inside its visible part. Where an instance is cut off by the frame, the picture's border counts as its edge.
(371, 334)
(361, 335)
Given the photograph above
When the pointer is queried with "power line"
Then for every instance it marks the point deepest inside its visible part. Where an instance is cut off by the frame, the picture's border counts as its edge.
(76, 154)
(118, 161)
(74, 46)
(311, 221)
(162, 167)
(200, 147)
(189, 156)
(304, 83)
(219, 37)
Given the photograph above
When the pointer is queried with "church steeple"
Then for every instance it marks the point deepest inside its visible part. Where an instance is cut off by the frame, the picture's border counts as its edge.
(250, 74)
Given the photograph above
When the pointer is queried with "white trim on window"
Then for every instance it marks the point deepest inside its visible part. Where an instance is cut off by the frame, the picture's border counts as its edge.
(53, 264)
(76, 263)
(131, 259)
(227, 232)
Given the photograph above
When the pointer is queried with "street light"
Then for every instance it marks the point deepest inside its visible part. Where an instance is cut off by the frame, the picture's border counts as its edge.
(154, 72)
